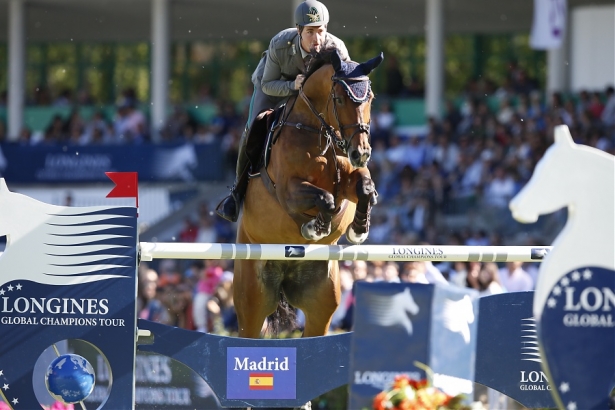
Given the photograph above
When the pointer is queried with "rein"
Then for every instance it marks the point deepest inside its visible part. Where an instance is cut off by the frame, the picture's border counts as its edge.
(325, 129)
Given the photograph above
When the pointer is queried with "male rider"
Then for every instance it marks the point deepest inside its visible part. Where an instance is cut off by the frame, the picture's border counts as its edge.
(279, 74)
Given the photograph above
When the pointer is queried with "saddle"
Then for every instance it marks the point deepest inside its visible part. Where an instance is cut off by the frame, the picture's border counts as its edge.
(261, 138)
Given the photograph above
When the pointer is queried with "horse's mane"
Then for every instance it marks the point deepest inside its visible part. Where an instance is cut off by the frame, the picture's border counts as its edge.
(319, 59)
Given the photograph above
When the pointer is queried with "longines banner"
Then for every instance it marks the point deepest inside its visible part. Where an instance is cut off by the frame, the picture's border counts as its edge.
(76, 164)
(508, 358)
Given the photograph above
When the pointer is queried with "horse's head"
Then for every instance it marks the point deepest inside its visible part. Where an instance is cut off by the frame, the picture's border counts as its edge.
(551, 186)
(340, 95)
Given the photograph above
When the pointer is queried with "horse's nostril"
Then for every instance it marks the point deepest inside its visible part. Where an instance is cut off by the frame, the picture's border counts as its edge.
(355, 154)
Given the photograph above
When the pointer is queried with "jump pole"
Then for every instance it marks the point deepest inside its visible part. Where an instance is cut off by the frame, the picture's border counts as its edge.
(398, 253)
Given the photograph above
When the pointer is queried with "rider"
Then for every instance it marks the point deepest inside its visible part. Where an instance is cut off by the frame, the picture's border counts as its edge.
(279, 74)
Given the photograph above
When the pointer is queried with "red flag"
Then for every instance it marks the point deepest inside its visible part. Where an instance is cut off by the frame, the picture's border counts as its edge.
(126, 185)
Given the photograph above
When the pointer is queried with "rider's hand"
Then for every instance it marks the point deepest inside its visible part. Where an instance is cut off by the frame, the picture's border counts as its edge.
(299, 80)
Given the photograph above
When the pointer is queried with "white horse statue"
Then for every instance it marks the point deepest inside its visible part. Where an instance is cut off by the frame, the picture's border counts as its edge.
(582, 179)
(58, 245)
(576, 281)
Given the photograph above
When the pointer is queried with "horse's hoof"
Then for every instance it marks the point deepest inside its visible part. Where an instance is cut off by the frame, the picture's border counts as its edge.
(309, 232)
(354, 238)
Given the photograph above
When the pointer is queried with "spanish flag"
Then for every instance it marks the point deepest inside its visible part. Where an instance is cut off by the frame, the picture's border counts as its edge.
(261, 381)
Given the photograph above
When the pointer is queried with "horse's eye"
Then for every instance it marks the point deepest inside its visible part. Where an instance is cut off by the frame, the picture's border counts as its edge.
(338, 100)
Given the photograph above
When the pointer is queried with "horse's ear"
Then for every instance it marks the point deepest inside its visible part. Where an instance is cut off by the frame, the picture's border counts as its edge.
(370, 65)
(336, 61)
(562, 135)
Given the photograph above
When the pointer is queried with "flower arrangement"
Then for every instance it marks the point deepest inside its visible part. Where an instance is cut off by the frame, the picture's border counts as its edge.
(409, 394)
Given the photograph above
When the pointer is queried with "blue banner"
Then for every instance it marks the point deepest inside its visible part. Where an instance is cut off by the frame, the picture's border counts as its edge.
(577, 338)
(69, 273)
(507, 355)
(397, 324)
(85, 164)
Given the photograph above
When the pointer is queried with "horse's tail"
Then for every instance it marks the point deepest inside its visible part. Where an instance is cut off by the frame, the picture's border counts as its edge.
(284, 319)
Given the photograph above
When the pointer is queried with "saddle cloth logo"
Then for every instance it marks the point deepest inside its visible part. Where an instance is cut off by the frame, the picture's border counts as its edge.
(294, 251)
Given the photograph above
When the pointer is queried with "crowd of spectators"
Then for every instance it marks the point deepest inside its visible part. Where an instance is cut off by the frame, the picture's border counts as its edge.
(476, 157)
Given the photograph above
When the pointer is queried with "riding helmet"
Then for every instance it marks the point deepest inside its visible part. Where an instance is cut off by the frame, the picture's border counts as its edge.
(311, 13)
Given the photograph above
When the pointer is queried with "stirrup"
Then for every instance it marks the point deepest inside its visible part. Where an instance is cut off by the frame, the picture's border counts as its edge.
(222, 210)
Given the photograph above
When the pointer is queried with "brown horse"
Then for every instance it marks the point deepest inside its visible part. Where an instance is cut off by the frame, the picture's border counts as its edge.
(315, 188)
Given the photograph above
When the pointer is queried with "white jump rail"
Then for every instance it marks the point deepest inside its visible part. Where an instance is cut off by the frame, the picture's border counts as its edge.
(400, 253)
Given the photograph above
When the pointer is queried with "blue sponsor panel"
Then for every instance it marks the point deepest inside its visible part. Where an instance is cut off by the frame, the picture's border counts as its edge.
(80, 164)
(71, 275)
(222, 363)
(161, 383)
(453, 337)
(395, 325)
(577, 338)
(261, 373)
(507, 353)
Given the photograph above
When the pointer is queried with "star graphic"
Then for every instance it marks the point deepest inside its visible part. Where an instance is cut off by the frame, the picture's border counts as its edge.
(15, 401)
(587, 274)
(1, 372)
(18, 287)
(10, 288)
(2, 291)
(571, 406)
(557, 291)
(5, 387)
(551, 302)
(565, 281)
(576, 276)
(564, 387)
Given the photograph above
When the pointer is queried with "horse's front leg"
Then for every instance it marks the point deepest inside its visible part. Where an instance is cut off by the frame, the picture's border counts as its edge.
(303, 196)
(367, 196)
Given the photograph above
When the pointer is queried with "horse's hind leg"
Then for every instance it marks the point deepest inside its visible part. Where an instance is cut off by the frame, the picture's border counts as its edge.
(366, 197)
(253, 301)
(316, 291)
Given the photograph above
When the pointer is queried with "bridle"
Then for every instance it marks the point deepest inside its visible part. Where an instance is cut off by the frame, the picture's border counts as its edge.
(326, 129)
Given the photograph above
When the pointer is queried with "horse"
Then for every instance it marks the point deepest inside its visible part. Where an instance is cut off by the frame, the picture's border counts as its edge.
(582, 179)
(315, 188)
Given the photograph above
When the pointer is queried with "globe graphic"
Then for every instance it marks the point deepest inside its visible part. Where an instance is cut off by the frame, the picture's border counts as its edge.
(70, 378)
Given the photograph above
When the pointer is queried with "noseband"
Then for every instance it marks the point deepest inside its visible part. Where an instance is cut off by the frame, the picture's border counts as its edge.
(327, 130)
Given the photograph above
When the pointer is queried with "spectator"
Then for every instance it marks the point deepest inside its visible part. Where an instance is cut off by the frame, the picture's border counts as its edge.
(391, 272)
(383, 122)
(608, 113)
(346, 282)
(488, 280)
(394, 78)
(189, 231)
(514, 279)
(151, 307)
(500, 190)
(206, 287)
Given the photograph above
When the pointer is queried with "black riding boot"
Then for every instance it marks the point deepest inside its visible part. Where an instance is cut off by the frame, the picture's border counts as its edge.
(229, 207)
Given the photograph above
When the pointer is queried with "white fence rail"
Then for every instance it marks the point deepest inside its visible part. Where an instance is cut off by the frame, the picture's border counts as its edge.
(443, 253)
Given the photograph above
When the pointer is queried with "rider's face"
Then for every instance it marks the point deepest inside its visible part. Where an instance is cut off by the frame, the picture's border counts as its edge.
(313, 38)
